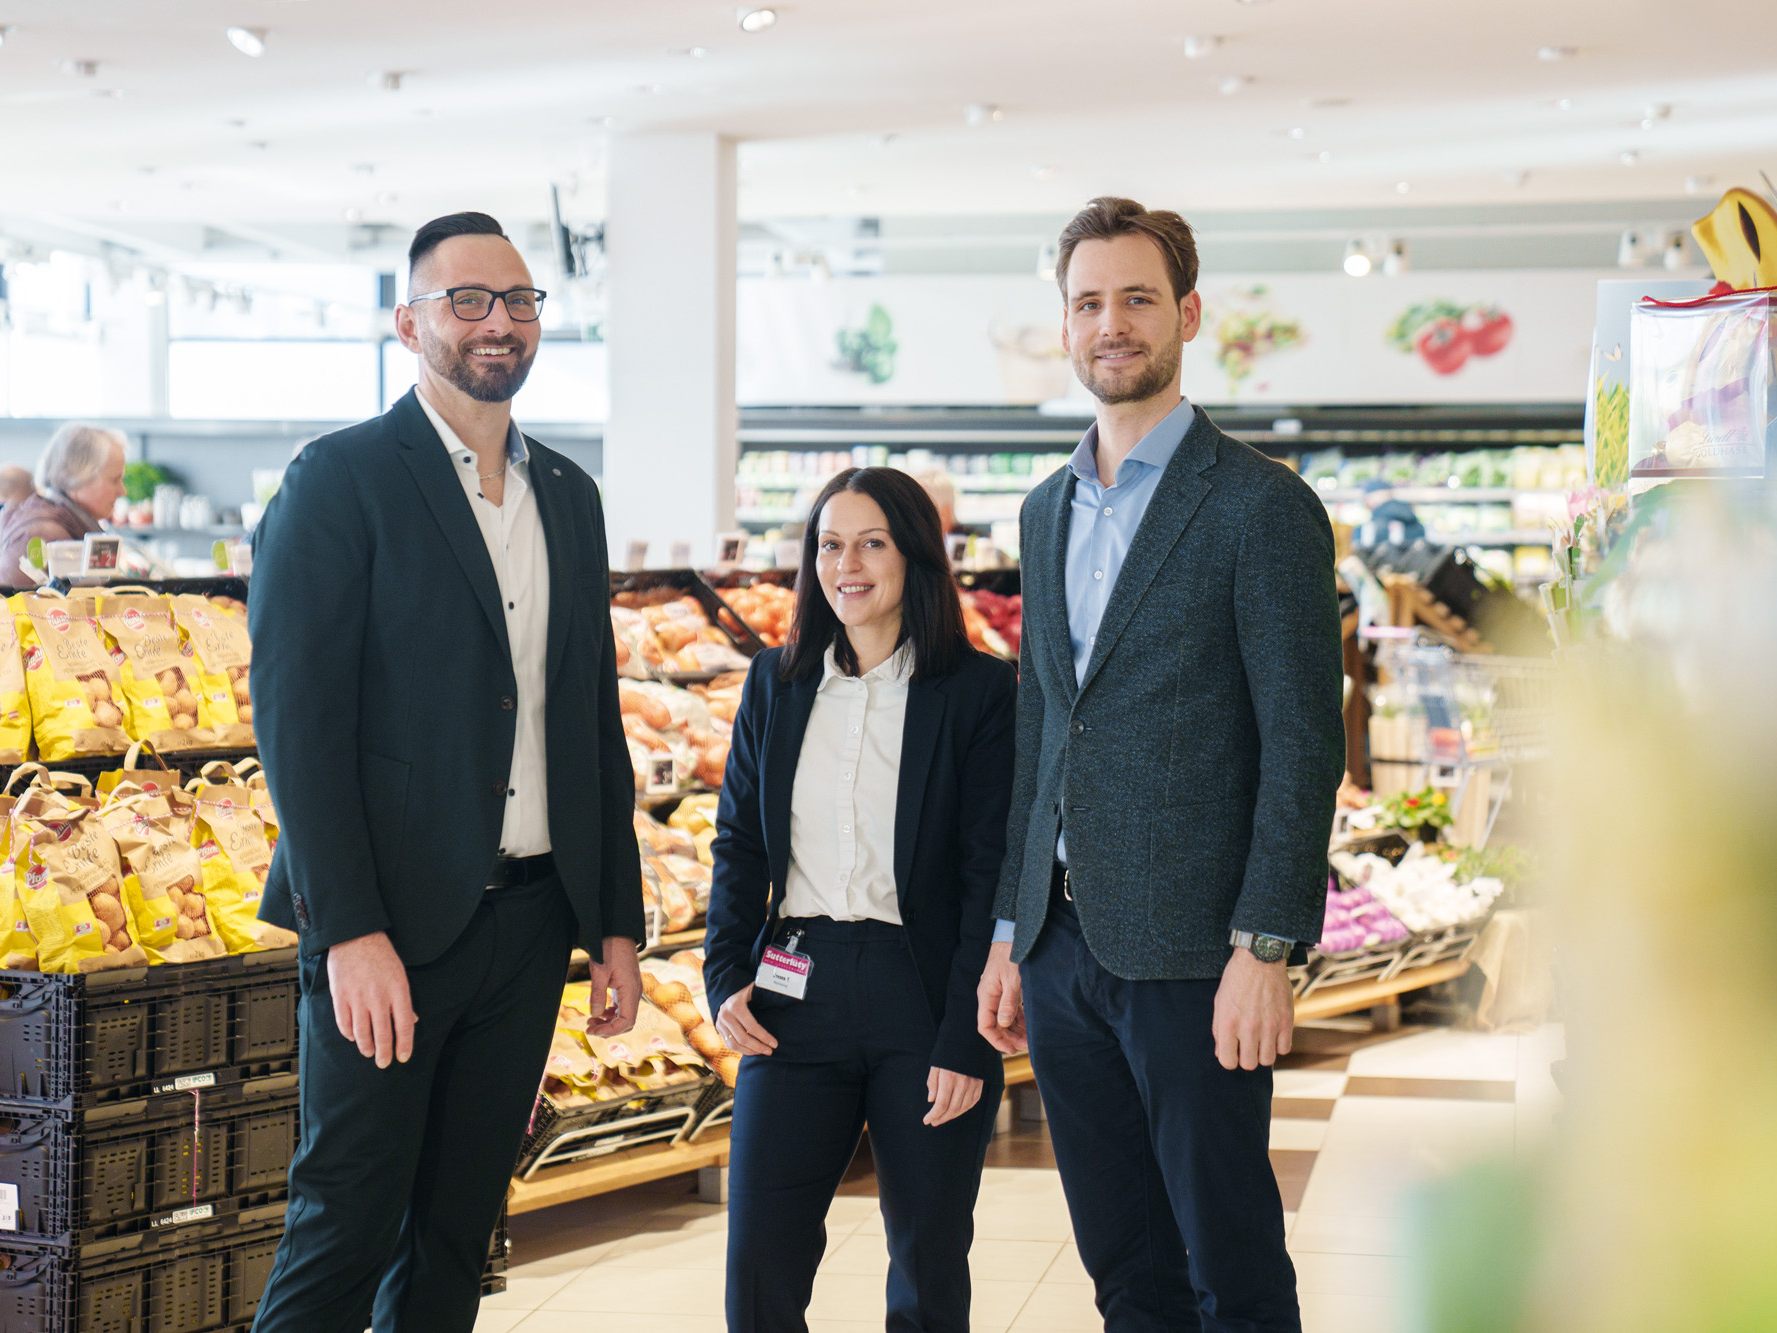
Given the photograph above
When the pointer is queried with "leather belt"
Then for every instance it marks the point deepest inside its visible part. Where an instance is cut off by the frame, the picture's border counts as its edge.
(510, 872)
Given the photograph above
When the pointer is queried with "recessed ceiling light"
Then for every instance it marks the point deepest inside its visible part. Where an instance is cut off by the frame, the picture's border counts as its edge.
(689, 52)
(1654, 114)
(755, 20)
(1698, 184)
(81, 69)
(1562, 104)
(248, 41)
(1323, 156)
(1403, 187)
(1232, 83)
(977, 114)
(1197, 47)
(1296, 132)
(1629, 157)
(1043, 173)
(1551, 54)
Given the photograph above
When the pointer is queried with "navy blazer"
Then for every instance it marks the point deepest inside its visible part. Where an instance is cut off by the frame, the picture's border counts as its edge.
(385, 699)
(950, 835)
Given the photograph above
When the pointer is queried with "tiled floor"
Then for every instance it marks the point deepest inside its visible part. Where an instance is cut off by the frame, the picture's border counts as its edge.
(1358, 1122)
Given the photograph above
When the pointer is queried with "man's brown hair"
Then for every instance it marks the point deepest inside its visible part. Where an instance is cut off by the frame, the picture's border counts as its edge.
(1108, 217)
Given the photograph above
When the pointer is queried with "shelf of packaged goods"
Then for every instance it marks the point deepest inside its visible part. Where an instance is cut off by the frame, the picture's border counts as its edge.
(621, 1170)
(1427, 495)
(966, 484)
(1356, 995)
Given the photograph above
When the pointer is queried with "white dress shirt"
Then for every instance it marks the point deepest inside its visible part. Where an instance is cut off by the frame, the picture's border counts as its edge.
(520, 554)
(842, 807)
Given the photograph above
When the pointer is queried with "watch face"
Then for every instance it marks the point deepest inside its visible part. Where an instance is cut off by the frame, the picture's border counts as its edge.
(1268, 950)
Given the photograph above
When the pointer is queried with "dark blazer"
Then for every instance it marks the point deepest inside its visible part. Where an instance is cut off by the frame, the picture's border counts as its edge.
(950, 830)
(384, 695)
(1199, 759)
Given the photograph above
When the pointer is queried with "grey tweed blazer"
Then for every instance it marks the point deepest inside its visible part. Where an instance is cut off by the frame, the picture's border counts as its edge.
(1196, 766)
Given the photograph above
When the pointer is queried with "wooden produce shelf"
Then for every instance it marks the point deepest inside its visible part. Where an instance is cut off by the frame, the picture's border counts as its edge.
(1348, 999)
(622, 1169)
(1018, 1070)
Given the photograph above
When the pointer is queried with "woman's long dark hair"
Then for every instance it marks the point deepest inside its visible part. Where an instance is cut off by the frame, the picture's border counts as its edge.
(931, 611)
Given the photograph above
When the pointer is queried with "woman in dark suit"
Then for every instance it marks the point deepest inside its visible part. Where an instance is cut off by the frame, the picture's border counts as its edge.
(859, 842)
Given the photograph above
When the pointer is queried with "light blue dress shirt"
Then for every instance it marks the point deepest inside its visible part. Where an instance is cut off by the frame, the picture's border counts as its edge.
(1100, 529)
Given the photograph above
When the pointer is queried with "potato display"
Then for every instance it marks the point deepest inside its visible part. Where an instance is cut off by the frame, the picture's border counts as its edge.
(767, 608)
(70, 676)
(676, 987)
(676, 740)
(662, 632)
(582, 1070)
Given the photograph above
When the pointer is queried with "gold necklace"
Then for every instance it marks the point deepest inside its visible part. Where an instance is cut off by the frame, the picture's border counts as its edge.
(489, 476)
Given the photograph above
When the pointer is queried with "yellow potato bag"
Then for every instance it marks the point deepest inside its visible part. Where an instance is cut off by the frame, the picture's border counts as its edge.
(18, 946)
(214, 639)
(132, 774)
(70, 676)
(160, 684)
(71, 883)
(15, 698)
(162, 884)
(236, 857)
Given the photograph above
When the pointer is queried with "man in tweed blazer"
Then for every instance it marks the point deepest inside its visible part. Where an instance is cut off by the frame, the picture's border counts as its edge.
(1180, 742)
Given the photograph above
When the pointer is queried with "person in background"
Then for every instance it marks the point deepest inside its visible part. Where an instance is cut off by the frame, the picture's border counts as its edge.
(861, 830)
(435, 686)
(79, 482)
(1180, 741)
(1385, 512)
(15, 485)
(942, 491)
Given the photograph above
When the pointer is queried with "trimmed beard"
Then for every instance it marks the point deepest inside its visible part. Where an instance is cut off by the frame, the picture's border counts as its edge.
(1154, 380)
(492, 382)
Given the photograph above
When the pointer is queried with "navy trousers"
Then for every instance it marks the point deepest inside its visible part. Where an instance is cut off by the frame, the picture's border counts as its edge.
(1164, 1155)
(397, 1181)
(856, 1051)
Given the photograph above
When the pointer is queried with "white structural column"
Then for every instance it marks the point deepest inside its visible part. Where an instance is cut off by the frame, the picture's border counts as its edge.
(670, 447)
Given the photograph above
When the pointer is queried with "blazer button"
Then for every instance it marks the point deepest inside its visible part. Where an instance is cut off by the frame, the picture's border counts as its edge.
(1079, 728)
(507, 703)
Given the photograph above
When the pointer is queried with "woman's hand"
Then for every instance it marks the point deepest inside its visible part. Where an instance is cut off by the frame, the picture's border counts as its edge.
(739, 1030)
(951, 1094)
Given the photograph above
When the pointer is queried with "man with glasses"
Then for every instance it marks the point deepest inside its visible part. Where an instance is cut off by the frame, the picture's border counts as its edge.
(436, 689)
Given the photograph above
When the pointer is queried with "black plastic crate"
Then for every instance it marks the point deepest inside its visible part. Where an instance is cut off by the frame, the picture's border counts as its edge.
(153, 1163)
(73, 1041)
(203, 1279)
(566, 1134)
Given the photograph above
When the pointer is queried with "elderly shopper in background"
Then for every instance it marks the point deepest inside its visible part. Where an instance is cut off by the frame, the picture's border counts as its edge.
(79, 480)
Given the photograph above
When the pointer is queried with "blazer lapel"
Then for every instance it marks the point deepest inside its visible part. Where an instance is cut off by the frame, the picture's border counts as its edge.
(423, 452)
(786, 726)
(1176, 498)
(1053, 611)
(919, 738)
(559, 537)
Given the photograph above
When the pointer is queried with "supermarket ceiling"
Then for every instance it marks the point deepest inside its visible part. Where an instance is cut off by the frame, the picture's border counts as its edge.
(849, 107)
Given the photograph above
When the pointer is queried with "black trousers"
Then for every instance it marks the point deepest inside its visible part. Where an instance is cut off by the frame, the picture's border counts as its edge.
(397, 1181)
(1164, 1155)
(856, 1051)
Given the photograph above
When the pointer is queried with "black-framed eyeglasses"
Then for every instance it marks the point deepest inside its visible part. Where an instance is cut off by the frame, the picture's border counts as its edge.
(523, 304)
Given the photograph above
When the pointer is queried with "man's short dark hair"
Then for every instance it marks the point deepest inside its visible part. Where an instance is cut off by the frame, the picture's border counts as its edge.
(1108, 217)
(439, 230)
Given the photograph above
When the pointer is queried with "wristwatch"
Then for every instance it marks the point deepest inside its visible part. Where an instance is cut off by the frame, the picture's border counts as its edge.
(1266, 948)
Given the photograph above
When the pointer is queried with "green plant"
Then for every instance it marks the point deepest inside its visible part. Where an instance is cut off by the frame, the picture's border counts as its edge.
(140, 480)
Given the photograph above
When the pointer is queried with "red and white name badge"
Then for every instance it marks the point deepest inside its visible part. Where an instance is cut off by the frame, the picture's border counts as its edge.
(785, 971)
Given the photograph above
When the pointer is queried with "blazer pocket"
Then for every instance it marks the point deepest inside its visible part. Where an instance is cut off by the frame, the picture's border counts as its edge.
(385, 784)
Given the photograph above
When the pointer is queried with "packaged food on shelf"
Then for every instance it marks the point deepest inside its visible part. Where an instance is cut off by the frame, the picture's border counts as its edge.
(665, 632)
(235, 853)
(766, 608)
(675, 739)
(652, 1056)
(159, 682)
(676, 986)
(214, 640)
(163, 880)
(15, 696)
(70, 883)
(70, 676)
(696, 815)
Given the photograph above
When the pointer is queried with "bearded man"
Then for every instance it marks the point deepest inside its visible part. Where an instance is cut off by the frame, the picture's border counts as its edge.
(436, 695)
(1180, 741)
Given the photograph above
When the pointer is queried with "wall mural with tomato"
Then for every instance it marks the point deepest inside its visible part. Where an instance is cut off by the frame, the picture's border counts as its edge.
(1445, 335)
(1289, 338)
